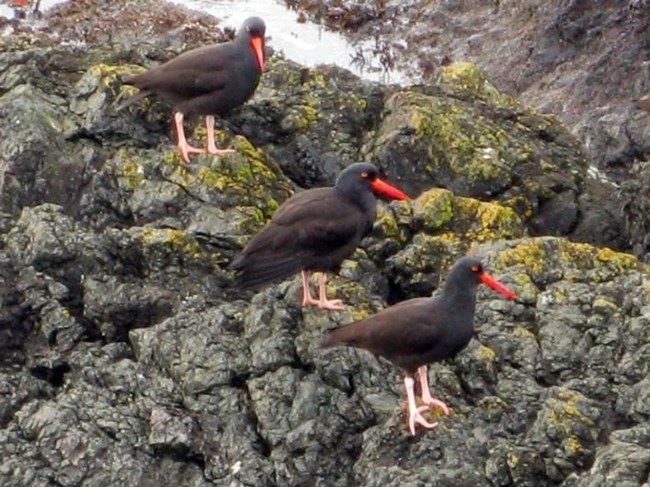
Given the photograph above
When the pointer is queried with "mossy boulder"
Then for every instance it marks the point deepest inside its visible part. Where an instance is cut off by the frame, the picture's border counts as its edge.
(431, 232)
(532, 257)
(464, 136)
(312, 121)
(94, 108)
(144, 185)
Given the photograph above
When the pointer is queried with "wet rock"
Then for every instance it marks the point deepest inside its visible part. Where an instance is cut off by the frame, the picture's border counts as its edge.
(445, 225)
(313, 122)
(579, 62)
(618, 464)
(127, 357)
(465, 136)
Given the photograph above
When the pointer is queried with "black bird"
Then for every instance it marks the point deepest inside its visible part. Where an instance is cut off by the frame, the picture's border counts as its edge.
(210, 80)
(315, 230)
(417, 332)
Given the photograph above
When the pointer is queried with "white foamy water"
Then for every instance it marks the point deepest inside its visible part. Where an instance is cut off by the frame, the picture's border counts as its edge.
(305, 43)
(8, 12)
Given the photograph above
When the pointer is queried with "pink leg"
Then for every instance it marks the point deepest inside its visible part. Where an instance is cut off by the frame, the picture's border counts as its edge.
(323, 302)
(426, 393)
(307, 300)
(185, 148)
(414, 412)
(212, 147)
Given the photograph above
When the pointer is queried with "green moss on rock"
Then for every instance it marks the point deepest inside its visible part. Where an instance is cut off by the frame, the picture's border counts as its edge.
(177, 240)
(435, 208)
(163, 247)
(477, 144)
(244, 178)
(469, 77)
(476, 221)
(535, 256)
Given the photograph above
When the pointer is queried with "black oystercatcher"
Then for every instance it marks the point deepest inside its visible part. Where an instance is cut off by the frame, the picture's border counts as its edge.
(314, 231)
(209, 81)
(417, 332)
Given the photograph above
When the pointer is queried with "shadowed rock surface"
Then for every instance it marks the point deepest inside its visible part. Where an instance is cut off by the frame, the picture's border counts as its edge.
(585, 62)
(128, 358)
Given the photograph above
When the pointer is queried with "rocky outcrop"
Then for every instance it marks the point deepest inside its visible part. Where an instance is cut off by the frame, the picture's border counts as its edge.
(128, 357)
(583, 62)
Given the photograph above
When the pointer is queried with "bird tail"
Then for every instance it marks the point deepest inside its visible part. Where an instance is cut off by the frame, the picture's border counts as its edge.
(340, 336)
(257, 270)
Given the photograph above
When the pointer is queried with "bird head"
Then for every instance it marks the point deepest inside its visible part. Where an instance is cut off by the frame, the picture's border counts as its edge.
(472, 269)
(362, 176)
(253, 29)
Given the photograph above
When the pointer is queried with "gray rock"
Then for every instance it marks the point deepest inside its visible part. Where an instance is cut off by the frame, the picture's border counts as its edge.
(127, 356)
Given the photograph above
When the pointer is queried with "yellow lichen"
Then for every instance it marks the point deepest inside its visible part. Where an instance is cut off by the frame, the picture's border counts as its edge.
(177, 240)
(528, 253)
(488, 221)
(537, 253)
(130, 174)
(573, 445)
(387, 222)
(483, 352)
(471, 78)
(523, 332)
(435, 208)
(618, 259)
(110, 77)
(465, 74)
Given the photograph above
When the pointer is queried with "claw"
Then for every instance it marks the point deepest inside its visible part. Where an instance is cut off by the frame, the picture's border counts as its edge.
(185, 148)
(322, 301)
(415, 416)
(426, 393)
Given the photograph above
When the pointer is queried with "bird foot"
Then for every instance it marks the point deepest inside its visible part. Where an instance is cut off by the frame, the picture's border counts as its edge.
(433, 402)
(187, 149)
(330, 304)
(416, 417)
(218, 152)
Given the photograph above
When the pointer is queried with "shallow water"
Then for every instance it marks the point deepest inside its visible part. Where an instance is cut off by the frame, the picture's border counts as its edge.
(305, 43)
(8, 12)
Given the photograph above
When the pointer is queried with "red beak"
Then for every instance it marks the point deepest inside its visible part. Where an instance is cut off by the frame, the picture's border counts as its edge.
(497, 286)
(258, 48)
(385, 189)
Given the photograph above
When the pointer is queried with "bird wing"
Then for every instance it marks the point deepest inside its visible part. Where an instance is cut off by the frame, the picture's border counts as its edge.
(312, 222)
(205, 67)
(306, 228)
(400, 330)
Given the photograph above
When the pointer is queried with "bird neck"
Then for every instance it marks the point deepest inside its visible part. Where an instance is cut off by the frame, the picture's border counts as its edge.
(459, 297)
(366, 201)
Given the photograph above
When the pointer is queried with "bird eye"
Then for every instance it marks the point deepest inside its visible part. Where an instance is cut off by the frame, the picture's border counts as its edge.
(364, 175)
(476, 268)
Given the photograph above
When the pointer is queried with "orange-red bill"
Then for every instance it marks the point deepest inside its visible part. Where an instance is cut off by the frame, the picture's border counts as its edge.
(491, 282)
(258, 48)
(383, 188)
